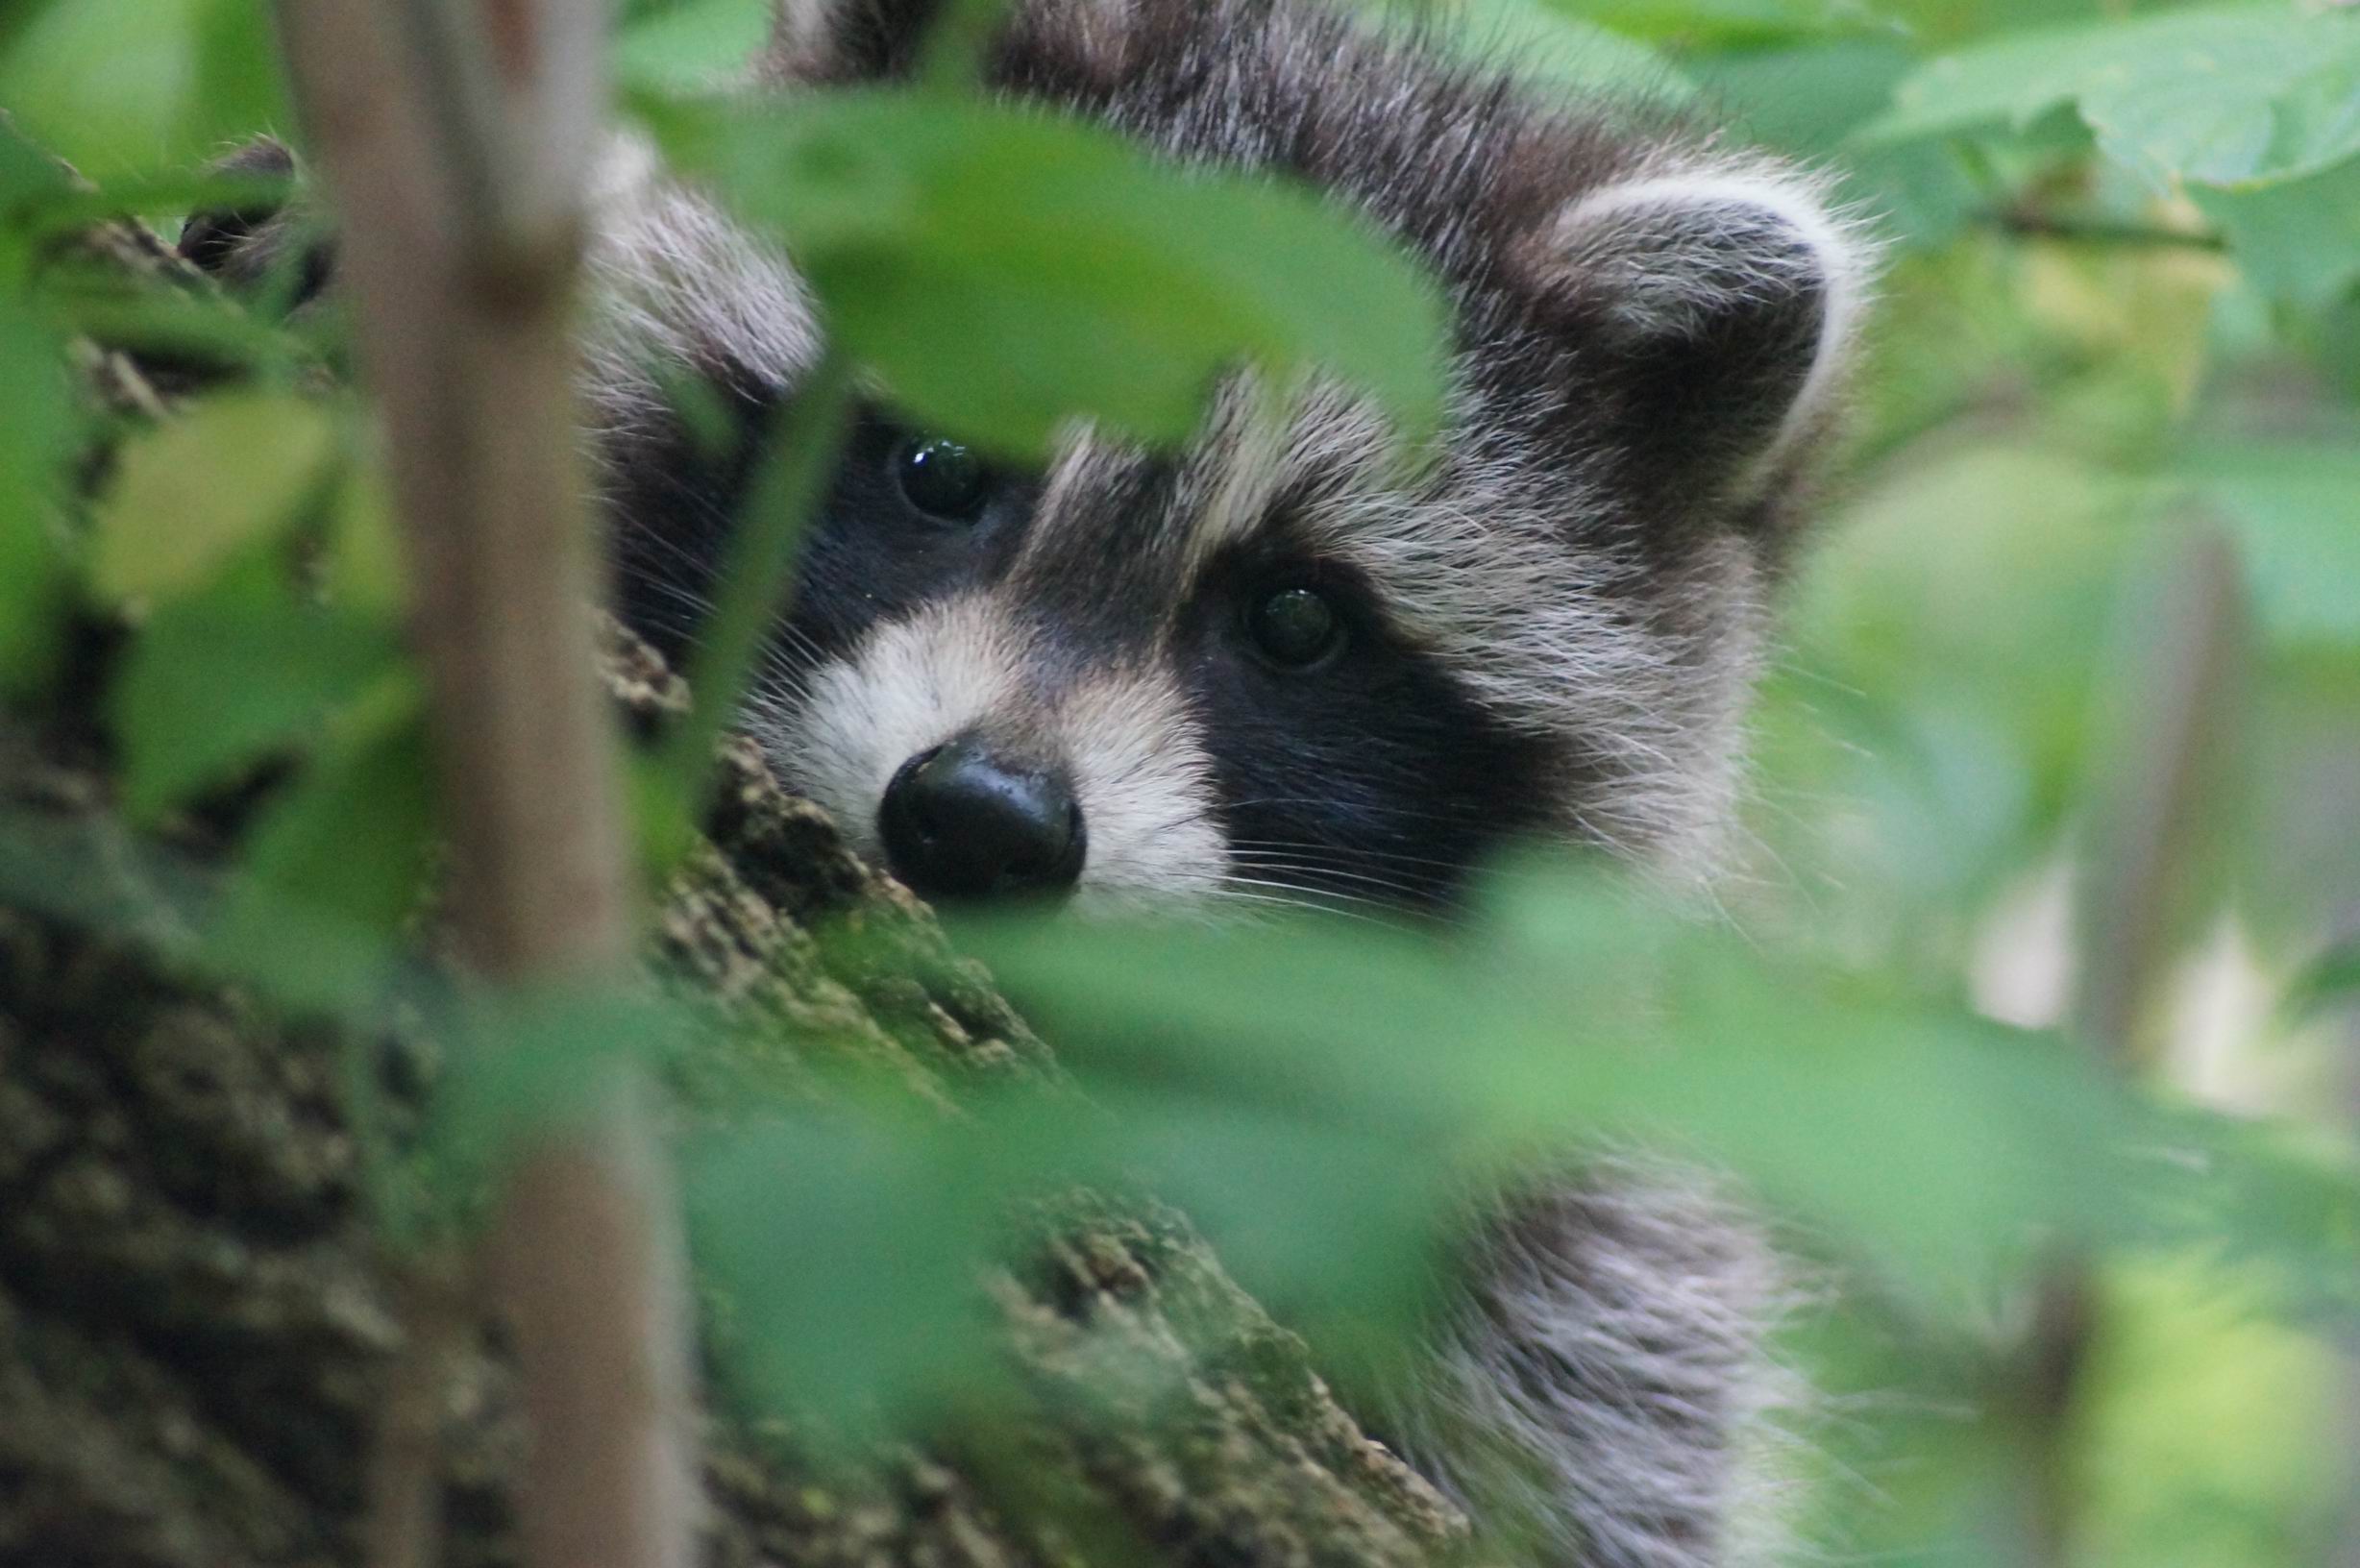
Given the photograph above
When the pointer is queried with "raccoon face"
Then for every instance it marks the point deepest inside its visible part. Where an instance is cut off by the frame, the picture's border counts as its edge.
(1280, 663)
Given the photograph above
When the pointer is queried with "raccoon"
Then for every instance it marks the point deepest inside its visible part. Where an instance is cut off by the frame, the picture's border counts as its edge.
(1275, 665)
(1261, 667)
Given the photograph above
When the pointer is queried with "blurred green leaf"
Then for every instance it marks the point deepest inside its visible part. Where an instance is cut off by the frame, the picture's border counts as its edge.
(1326, 1221)
(185, 328)
(37, 417)
(363, 573)
(2279, 1205)
(1722, 24)
(195, 491)
(2329, 981)
(1005, 270)
(526, 1064)
(218, 680)
(848, 1252)
(2298, 239)
(1553, 46)
(849, 1244)
(1937, 714)
(1933, 1141)
(2232, 95)
(29, 178)
(1807, 98)
(2208, 1431)
(690, 43)
(337, 866)
(126, 87)
(2295, 508)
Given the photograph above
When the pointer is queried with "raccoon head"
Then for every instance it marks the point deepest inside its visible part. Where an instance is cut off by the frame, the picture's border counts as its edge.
(1269, 665)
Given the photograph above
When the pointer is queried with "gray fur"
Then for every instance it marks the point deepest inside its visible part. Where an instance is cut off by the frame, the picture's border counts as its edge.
(1531, 566)
(1599, 1395)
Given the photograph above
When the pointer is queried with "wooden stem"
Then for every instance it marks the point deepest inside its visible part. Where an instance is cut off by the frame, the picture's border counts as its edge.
(454, 137)
(2155, 804)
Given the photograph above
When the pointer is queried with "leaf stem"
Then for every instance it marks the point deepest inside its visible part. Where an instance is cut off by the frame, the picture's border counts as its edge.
(2025, 224)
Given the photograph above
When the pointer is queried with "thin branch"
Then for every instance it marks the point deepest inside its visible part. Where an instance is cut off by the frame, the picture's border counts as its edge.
(2150, 816)
(2348, 1410)
(2155, 802)
(2027, 224)
(461, 287)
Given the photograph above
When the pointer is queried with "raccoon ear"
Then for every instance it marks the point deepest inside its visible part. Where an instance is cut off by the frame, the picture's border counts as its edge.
(1721, 304)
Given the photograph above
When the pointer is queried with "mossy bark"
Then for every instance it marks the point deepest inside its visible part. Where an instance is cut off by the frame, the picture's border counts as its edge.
(199, 1338)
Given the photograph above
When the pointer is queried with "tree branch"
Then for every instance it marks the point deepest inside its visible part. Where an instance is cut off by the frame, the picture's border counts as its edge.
(2156, 801)
(454, 137)
(2024, 223)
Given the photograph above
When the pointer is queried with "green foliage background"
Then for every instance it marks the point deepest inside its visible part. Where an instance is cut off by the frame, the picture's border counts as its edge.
(2119, 319)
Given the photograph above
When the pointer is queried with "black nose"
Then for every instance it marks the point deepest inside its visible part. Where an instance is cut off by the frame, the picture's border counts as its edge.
(960, 822)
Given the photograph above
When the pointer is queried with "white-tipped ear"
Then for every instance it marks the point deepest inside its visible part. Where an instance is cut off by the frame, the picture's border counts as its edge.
(1724, 297)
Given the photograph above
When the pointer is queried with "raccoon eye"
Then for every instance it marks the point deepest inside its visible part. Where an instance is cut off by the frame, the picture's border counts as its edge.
(942, 479)
(1295, 628)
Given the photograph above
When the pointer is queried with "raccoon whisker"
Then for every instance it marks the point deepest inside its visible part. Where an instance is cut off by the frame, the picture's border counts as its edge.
(665, 598)
(1321, 875)
(682, 594)
(775, 691)
(1308, 889)
(1319, 855)
(1290, 898)
(1325, 900)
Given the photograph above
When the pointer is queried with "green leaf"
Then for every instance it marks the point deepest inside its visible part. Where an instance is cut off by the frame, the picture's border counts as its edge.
(2295, 508)
(217, 681)
(37, 413)
(523, 1064)
(2298, 239)
(1549, 45)
(1810, 97)
(1315, 1215)
(846, 1253)
(2332, 980)
(28, 178)
(126, 87)
(193, 328)
(364, 570)
(1927, 1139)
(691, 44)
(1723, 24)
(2235, 95)
(335, 868)
(1004, 270)
(194, 492)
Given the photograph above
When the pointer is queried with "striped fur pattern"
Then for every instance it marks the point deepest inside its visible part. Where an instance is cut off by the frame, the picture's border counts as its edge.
(1566, 614)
